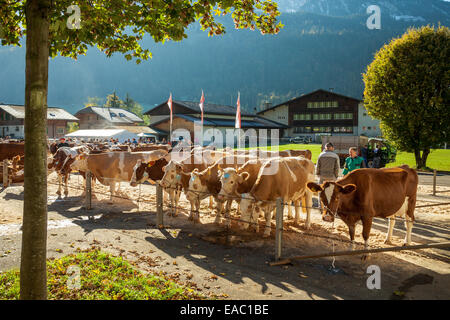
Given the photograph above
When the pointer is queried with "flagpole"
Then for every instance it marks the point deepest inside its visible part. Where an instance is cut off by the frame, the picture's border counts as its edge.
(239, 129)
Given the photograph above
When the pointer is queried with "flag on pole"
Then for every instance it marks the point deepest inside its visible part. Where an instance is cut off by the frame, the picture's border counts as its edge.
(202, 101)
(237, 124)
(169, 103)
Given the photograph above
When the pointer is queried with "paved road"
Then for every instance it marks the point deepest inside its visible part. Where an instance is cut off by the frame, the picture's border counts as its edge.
(441, 179)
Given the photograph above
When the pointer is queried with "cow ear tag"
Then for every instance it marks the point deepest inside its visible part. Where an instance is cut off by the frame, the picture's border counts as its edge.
(178, 177)
(151, 163)
(226, 175)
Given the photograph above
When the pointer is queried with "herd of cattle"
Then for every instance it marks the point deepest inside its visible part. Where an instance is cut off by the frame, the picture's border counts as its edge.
(255, 179)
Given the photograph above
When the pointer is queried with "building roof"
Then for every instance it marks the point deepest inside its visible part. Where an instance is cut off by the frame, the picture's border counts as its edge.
(134, 129)
(256, 123)
(96, 133)
(303, 96)
(52, 113)
(113, 115)
(192, 107)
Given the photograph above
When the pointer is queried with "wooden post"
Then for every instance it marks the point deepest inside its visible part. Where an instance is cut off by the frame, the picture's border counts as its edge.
(5, 174)
(88, 190)
(159, 207)
(434, 182)
(278, 228)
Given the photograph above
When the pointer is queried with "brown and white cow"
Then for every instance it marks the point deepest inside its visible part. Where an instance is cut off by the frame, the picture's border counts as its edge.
(151, 147)
(284, 178)
(176, 178)
(114, 167)
(367, 193)
(207, 183)
(60, 163)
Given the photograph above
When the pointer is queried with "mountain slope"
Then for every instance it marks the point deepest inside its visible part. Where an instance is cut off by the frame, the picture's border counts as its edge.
(312, 51)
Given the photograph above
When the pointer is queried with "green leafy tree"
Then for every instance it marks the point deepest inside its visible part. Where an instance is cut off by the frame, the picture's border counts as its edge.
(407, 87)
(113, 101)
(72, 126)
(111, 26)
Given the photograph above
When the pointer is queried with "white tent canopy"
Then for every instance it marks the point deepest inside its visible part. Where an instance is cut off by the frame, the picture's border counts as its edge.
(120, 134)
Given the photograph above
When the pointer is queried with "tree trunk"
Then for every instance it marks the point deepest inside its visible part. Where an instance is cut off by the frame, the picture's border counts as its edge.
(421, 160)
(418, 158)
(425, 154)
(33, 271)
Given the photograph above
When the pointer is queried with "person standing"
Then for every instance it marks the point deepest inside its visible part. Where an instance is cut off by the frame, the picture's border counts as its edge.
(327, 167)
(62, 143)
(353, 162)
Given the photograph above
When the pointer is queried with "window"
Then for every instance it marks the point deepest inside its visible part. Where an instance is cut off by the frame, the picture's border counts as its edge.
(122, 115)
(323, 104)
(302, 116)
(113, 114)
(364, 128)
(370, 128)
(59, 130)
(17, 128)
(343, 116)
(315, 116)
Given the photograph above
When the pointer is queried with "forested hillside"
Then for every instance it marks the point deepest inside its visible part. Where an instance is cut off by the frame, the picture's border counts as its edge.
(314, 50)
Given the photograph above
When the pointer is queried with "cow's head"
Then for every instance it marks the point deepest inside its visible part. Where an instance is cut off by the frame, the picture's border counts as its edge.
(172, 174)
(197, 183)
(330, 196)
(53, 147)
(230, 179)
(247, 207)
(140, 172)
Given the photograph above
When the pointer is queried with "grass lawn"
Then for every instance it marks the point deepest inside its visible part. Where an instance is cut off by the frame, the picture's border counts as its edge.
(102, 277)
(438, 159)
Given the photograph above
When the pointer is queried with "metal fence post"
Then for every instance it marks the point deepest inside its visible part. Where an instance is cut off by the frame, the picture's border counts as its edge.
(159, 207)
(434, 182)
(88, 190)
(278, 229)
(5, 174)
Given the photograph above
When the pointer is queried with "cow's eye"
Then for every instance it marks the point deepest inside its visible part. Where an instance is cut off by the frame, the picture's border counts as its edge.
(232, 182)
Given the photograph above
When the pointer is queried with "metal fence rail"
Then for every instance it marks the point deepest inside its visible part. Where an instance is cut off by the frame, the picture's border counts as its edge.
(278, 228)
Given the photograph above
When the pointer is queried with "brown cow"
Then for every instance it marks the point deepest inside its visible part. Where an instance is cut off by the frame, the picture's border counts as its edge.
(283, 178)
(367, 193)
(112, 167)
(10, 150)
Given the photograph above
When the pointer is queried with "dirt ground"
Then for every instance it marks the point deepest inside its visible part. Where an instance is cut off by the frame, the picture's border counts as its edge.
(232, 263)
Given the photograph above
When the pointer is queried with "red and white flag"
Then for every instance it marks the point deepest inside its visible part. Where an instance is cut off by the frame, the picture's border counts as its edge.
(202, 101)
(169, 103)
(237, 124)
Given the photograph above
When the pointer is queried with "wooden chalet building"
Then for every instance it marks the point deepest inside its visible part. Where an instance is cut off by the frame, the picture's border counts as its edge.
(101, 118)
(216, 117)
(322, 113)
(12, 119)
